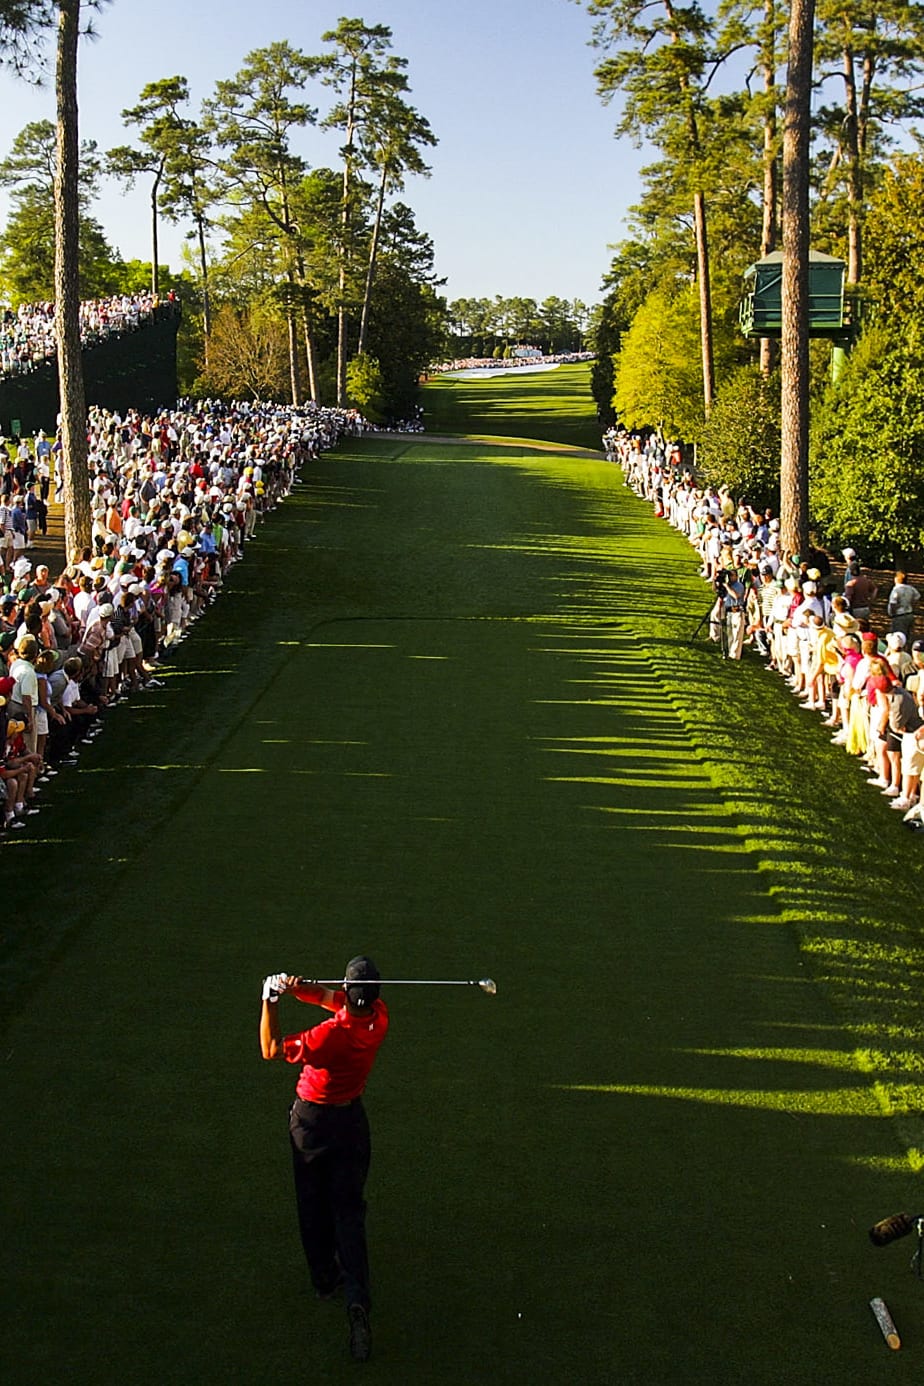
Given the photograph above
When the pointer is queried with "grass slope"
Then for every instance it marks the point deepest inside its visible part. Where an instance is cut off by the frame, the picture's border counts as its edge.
(554, 406)
(451, 716)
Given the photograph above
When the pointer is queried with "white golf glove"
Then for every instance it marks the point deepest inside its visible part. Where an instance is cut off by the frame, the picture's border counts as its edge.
(273, 986)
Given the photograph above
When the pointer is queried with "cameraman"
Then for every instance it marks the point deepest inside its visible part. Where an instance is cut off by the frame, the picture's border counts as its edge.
(727, 618)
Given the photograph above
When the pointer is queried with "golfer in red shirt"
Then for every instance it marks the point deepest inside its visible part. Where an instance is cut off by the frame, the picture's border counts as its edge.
(329, 1131)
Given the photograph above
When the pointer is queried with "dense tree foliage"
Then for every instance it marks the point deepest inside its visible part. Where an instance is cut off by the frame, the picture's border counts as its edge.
(365, 387)
(27, 242)
(658, 368)
(248, 354)
(893, 278)
(658, 55)
(479, 326)
(405, 335)
(868, 450)
(739, 445)
(867, 480)
(707, 86)
(321, 256)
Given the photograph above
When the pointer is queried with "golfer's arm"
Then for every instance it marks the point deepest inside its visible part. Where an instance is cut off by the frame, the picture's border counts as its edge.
(270, 1034)
(312, 995)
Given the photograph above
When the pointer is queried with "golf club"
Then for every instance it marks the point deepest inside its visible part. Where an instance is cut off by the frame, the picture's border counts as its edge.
(487, 985)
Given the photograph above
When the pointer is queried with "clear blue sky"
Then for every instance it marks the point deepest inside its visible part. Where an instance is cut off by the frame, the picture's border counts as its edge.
(529, 186)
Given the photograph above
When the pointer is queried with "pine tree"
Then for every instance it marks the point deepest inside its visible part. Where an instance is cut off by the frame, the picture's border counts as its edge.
(161, 128)
(363, 78)
(663, 71)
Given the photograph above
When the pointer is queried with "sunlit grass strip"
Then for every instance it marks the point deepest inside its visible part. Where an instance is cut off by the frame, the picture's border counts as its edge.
(850, 1061)
(847, 1101)
(526, 445)
(912, 1160)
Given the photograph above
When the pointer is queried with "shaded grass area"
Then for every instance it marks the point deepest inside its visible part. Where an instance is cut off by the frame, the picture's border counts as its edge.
(554, 406)
(452, 717)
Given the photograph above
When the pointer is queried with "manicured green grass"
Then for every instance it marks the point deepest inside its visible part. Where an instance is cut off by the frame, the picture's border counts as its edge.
(552, 406)
(451, 716)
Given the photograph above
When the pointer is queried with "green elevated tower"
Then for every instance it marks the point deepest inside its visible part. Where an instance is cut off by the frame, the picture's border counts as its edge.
(831, 310)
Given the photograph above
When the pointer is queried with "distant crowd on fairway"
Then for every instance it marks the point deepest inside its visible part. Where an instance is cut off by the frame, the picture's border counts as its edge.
(27, 336)
(176, 497)
(513, 363)
(811, 628)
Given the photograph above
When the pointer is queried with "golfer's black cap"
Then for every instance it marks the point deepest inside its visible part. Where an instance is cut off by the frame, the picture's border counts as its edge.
(361, 969)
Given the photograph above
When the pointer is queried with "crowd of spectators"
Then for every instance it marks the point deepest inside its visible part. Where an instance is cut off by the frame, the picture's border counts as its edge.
(475, 363)
(27, 336)
(811, 628)
(411, 423)
(176, 498)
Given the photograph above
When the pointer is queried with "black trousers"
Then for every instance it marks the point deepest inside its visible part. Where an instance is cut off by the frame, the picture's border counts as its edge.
(331, 1149)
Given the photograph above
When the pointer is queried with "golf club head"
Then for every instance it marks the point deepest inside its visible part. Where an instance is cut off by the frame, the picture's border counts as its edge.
(488, 985)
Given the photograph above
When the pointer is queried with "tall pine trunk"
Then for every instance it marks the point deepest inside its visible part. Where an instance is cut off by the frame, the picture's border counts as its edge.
(346, 247)
(311, 354)
(342, 325)
(705, 301)
(295, 381)
(768, 229)
(73, 430)
(370, 267)
(700, 228)
(854, 170)
(155, 267)
(285, 222)
(768, 226)
(311, 350)
(794, 343)
(341, 342)
(204, 275)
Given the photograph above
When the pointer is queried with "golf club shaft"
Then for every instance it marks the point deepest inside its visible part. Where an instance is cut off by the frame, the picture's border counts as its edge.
(387, 982)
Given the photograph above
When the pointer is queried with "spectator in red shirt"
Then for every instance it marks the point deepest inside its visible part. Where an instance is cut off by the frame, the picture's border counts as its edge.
(329, 1130)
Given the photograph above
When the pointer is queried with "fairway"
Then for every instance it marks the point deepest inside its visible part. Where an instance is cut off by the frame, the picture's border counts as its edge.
(552, 406)
(447, 713)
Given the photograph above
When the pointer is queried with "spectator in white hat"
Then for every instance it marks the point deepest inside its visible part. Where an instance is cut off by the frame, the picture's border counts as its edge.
(853, 567)
(897, 654)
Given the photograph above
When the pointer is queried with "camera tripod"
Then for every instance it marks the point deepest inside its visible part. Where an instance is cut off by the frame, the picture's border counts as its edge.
(712, 620)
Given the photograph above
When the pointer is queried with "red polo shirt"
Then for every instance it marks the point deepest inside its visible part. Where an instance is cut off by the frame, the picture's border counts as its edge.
(336, 1055)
